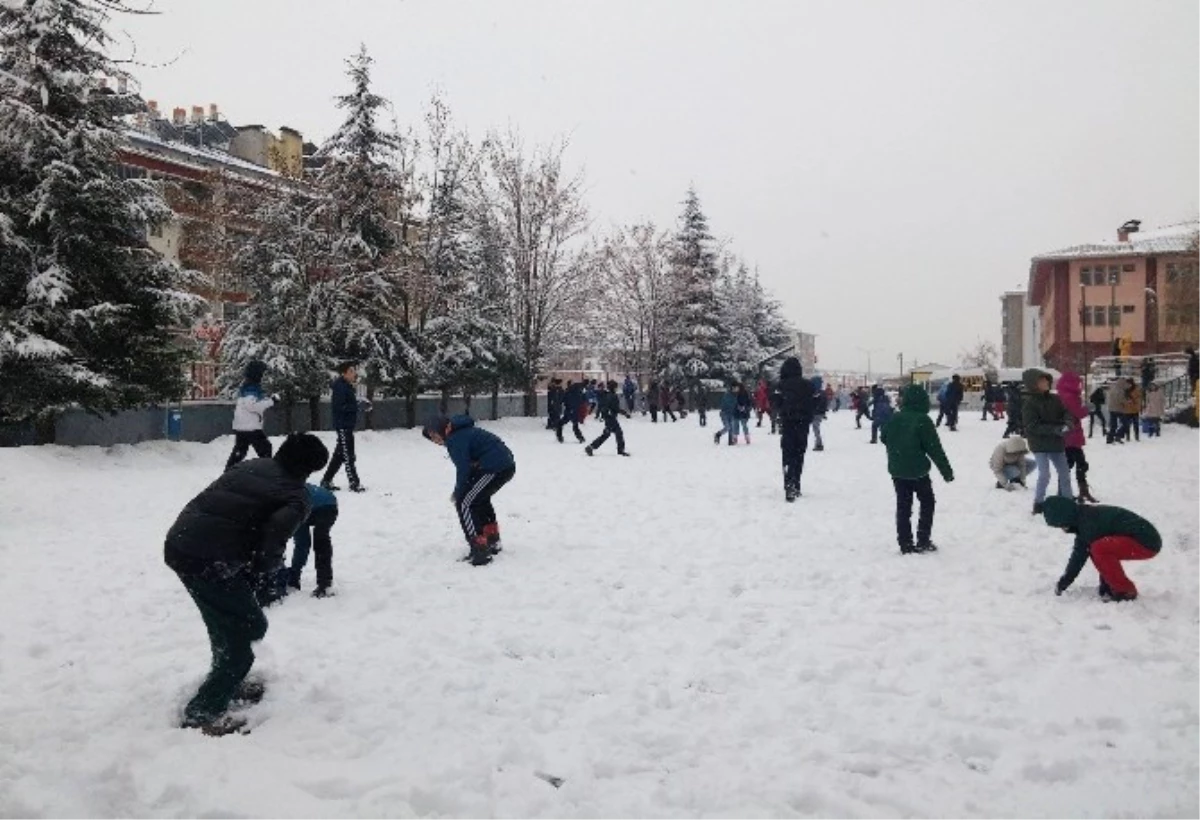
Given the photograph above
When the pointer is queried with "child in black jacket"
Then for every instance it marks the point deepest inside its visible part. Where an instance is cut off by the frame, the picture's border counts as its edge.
(608, 407)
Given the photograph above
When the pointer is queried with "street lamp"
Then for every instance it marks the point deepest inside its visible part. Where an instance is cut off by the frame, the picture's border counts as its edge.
(868, 351)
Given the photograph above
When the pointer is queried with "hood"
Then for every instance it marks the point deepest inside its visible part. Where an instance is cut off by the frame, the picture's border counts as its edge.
(791, 368)
(818, 383)
(302, 454)
(461, 423)
(1070, 382)
(1030, 378)
(1015, 445)
(1061, 512)
(914, 399)
(255, 371)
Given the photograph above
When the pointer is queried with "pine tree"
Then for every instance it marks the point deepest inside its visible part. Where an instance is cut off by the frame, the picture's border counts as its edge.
(362, 190)
(696, 336)
(283, 268)
(88, 311)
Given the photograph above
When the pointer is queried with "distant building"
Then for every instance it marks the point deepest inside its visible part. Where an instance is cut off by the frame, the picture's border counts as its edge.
(1143, 287)
(1018, 331)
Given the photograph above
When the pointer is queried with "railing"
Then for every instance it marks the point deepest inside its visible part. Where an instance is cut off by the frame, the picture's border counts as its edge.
(203, 376)
(1167, 367)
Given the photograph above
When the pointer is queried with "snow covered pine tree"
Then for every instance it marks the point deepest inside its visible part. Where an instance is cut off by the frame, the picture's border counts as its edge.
(88, 311)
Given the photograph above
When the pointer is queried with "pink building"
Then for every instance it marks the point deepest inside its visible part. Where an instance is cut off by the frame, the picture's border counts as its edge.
(1142, 286)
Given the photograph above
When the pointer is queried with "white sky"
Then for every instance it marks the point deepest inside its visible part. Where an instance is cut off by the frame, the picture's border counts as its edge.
(889, 166)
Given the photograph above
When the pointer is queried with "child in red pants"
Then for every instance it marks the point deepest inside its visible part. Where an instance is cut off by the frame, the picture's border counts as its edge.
(1108, 535)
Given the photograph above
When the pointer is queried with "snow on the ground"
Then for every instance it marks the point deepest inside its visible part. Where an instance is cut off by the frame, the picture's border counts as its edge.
(662, 632)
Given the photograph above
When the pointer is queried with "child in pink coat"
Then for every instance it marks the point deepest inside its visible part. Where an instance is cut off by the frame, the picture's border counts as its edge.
(1070, 390)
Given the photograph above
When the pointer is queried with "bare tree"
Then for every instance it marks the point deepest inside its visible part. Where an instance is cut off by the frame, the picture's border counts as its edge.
(1179, 298)
(632, 282)
(540, 215)
(983, 354)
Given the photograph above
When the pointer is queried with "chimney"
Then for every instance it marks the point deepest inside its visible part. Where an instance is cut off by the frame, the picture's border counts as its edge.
(1129, 227)
(152, 107)
(197, 114)
(212, 112)
(179, 116)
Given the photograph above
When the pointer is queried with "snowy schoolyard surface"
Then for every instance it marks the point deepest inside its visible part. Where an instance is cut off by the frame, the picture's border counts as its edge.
(662, 632)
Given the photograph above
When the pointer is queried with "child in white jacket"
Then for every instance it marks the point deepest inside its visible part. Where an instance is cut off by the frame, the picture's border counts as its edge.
(248, 416)
(1011, 463)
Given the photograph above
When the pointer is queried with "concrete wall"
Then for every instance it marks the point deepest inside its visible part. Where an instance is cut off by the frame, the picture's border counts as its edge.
(205, 421)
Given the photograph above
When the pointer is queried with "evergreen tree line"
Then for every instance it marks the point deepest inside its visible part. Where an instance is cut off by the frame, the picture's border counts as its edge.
(437, 262)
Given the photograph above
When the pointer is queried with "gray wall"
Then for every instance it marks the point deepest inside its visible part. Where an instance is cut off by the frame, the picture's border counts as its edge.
(205, 421)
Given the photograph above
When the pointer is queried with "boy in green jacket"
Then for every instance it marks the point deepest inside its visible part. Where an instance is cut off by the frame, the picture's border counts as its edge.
(911, 441)
(1108, 535)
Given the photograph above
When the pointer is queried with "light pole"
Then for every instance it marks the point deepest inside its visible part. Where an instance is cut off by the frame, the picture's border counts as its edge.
(900, 356)
(868, 351)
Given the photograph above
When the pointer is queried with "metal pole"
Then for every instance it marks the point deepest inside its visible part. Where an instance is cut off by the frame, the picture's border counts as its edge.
(1083, 327)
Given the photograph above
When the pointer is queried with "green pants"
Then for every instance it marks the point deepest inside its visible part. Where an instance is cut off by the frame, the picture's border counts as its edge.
(234, 621)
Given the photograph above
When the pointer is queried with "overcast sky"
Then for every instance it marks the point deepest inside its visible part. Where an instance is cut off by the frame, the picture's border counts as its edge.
(889, 166)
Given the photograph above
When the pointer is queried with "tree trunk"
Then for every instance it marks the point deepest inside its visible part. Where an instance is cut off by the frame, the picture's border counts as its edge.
(467, 401)
(531, 400)
(444, 402)
(314, 413)
(410, 408)
(45, 428)
(368, 420)
(495, 401)
(287, 416)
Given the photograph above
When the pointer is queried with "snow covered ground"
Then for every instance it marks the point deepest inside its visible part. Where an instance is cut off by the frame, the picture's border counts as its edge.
(662, 632)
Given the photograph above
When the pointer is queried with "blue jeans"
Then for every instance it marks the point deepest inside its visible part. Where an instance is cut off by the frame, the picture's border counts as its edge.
(1061, 469)
(1013, 472)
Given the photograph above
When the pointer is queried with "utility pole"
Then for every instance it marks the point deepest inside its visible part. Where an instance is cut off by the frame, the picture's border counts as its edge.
(1083, 324)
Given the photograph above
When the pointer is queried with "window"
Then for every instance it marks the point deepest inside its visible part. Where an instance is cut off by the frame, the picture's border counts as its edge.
(1114, 315)
(1085, 276)
(1129, 309)
(1128, 268)
(1114, 274)
(1099, 315)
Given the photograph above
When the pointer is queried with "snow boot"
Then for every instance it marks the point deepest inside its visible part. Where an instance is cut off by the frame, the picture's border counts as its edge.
(925, 546)
(492, 533)
(249, 692)
(907, 549)
(716, 438)
(624, 453)
(1085, 492)
(293, 579)
(481, 553)
(218, 727)
(1038, 506)
(323, 592)
(818, 448)
(558, 434)
(589, 450)
(733, 441)
(747, 438)
(357, 488)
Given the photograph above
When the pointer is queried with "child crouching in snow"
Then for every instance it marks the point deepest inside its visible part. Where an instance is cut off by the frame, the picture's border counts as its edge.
(323, 515)
(1108, 535)
(483, 464)
(911, 441)
(1011, 463)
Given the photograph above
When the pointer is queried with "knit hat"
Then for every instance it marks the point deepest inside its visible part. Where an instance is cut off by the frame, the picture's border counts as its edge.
(302, 454)
(435, 426)
(255, 371)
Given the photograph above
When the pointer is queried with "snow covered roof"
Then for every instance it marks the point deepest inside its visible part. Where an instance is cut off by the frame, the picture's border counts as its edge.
(203, 158)
(1169, 239)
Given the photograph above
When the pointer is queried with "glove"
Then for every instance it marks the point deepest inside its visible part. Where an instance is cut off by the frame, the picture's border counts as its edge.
(949, 477)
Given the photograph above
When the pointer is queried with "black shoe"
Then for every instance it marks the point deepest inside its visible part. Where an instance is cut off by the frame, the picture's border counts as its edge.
(218, 727)
(357, 488)
(907, 549)
(293, 581)
(790, 494)
(559, 436)
(1038, 507)
(250, 691)
(716, 438)
(588, 450)
(624, 453)
(323, 592)
(818, 448)
(329, 485)
(927, 546)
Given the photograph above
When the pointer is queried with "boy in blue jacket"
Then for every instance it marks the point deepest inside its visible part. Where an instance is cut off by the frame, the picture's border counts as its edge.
(483, 464)
(323, 513)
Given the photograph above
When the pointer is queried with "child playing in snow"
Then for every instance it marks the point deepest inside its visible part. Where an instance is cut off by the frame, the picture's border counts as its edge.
(745, 406)
(912, 440)
(609, 409)
(483, 464)
(728, 415)
(1070, 390)
(322, 516)
(226, 546)
(1108, 535)
(1011, 463)
(248, 416)
(881, 410)
(1155, 409)
(1046, 425)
